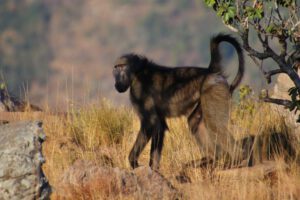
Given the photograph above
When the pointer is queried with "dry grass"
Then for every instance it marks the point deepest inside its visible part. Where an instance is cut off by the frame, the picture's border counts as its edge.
(104, 134)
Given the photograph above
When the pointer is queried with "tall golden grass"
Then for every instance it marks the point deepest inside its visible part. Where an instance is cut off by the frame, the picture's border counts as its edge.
(92, 131)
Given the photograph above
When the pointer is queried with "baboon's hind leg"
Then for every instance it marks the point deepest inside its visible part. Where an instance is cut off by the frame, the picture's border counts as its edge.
(215, 105)
(199, 131)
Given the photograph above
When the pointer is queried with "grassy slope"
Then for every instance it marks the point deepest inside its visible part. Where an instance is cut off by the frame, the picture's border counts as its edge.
(94, 130)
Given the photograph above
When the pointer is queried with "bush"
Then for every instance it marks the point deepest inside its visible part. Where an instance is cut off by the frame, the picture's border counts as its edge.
(99, 124)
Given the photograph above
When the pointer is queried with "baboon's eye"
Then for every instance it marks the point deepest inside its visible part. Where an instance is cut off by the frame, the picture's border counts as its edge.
(120, 66)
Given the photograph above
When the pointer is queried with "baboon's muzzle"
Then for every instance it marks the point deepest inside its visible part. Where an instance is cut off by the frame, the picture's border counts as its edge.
(120, 87)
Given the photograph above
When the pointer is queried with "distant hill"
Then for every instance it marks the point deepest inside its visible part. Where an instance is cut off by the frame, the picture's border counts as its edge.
(68, 47)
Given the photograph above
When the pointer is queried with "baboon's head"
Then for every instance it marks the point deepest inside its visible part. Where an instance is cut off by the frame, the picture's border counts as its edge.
(125, 69)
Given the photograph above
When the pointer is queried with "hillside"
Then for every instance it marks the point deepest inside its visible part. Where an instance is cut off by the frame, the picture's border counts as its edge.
(64, 50)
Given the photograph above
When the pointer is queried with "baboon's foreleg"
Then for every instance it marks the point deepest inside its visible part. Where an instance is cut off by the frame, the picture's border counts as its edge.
(157, 144)
(142, 139)
(154, 128)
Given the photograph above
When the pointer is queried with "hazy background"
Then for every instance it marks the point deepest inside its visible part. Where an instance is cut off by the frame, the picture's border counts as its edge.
(62, 51)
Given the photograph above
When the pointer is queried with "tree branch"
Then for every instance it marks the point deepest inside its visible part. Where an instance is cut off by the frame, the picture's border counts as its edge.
(288, 69)
(283, 45)
(277, 11)
(269, 53)
(283, 102)
(265, 97)
(277, 25)
(271, 73)
(264, 42)
(252, 52)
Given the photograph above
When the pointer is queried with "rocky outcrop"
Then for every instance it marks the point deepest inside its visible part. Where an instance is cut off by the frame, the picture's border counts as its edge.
(21, 175)
(13, 104)
(280, 91)
(141, 183)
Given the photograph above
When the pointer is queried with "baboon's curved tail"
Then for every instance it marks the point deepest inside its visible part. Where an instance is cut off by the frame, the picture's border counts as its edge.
(215, 65)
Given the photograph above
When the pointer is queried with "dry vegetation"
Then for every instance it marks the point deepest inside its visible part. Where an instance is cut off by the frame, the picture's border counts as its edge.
(104, 134)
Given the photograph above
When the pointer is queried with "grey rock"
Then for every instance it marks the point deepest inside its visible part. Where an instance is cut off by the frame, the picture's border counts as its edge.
(21, 175)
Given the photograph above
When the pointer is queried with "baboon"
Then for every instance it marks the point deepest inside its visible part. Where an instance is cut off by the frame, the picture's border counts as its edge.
(201, 94)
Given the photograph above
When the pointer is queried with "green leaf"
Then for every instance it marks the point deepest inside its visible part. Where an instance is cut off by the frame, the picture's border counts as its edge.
(259, 13)
(2, 86)
(292, 107)
(294, 97)
(210, 3)
(270, 28)
(298, 104)
(226, 17)
(293, 90)
(250, 12)
(221, 10)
